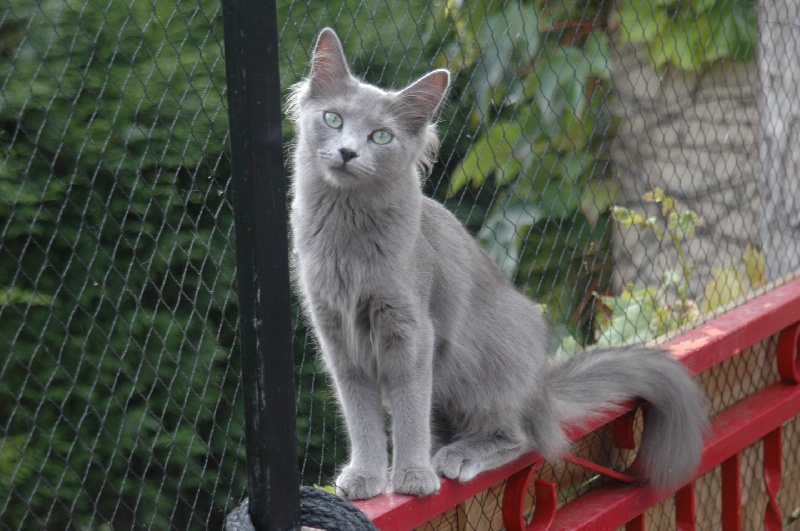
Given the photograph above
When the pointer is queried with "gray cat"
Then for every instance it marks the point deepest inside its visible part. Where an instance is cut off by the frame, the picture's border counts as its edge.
(410, 311)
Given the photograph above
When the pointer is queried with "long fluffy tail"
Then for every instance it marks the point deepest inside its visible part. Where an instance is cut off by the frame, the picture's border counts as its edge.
(672, 442)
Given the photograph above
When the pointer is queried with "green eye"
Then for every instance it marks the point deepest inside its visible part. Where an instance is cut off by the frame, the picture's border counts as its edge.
(333, 119)
(381, 136)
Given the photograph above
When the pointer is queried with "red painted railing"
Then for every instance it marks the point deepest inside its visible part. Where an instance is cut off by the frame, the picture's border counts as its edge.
(758, 417)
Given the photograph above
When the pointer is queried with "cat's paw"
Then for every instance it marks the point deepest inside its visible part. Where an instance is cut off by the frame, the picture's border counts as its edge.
(358, 484)
(452, 462)
(416, 480)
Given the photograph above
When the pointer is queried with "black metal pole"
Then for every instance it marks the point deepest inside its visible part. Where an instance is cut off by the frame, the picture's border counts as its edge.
(259, 202)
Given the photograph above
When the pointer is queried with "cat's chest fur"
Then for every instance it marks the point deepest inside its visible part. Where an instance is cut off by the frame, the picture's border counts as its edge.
(348, 247)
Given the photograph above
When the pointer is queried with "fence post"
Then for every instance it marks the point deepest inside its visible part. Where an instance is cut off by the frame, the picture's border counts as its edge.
(259, 202)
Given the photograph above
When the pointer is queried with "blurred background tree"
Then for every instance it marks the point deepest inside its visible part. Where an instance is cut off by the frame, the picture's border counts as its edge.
(119, 381)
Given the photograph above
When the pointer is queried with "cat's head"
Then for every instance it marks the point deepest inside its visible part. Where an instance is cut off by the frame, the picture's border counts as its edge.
(357, 134)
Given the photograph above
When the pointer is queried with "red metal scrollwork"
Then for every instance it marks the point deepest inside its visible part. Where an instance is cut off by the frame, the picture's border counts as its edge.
(732, 493)
(771, 445)
(514, 501)
(685, 508)
(546, 500)
(788, 360)
(623, 430)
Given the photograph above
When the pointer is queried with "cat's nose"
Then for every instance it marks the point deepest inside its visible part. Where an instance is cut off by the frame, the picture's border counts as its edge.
(347, 154)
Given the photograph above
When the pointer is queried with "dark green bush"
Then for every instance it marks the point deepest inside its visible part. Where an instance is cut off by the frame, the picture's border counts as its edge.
(119, 393)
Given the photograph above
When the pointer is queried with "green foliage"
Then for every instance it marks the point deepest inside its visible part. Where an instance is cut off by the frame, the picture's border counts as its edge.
(643, 313)
(539, 73)
(327, 488)
(731, 283)
(691, 34)
(640, 314)
(119, 389)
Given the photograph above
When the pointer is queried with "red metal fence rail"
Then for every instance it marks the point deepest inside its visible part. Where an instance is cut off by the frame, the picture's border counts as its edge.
(758, 417)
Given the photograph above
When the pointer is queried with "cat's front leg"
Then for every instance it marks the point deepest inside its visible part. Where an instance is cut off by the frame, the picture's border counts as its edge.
(365, 476)
(406, 363)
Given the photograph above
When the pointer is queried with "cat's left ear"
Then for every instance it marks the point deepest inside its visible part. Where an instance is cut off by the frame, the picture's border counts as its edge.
(417, 104)
(329, 65)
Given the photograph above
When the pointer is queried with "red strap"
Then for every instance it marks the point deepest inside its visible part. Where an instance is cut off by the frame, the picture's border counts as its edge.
(594, 467)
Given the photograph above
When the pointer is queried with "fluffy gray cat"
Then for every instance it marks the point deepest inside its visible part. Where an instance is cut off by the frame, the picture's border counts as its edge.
(410, 312)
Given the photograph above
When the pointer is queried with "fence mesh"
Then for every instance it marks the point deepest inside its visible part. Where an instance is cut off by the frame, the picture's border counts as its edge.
(119, 380)
(615, 159)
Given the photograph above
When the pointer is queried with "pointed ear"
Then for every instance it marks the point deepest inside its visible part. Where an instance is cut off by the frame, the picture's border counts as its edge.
(417, 103)
(329, 65)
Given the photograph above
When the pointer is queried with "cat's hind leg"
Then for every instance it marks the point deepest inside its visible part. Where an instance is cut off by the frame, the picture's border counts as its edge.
(466, 458)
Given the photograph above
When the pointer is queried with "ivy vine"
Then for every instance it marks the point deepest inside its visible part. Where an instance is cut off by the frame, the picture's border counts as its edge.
(690, 34)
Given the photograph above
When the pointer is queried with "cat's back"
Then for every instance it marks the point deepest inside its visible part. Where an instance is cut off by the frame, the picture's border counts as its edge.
(466, 283)
(456, 249)
(469, 285)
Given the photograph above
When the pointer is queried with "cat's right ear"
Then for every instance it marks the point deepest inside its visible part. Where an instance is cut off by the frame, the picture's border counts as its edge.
(329, 65)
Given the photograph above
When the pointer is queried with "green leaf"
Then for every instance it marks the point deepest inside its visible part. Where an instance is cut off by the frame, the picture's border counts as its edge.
(627, 217)
(545, 98)
(327, 488)
(754, 266)
(598, 197)
(685, 224)
(15, 295)
(559, 199)
(504, 231)
(657, 195)
(726, 285)
(495, 148)
(704, 5)
(632, 313)
(690, 35)
(744, 15)
(598, 55)
(734, 32)
(642, 21)
(576, 165)
(562, 82)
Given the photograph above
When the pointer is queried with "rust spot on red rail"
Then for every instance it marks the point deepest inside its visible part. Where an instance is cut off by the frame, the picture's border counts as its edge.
(708, 332)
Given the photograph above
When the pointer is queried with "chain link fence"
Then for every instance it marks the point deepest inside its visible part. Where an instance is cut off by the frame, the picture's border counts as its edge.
(612, 158)
(119, 379)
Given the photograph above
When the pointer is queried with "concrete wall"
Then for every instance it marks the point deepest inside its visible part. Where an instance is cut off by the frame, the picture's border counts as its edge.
(695, 136)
